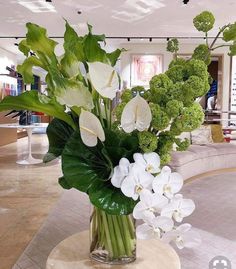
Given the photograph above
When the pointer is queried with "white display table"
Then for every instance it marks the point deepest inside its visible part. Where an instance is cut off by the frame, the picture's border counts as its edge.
(29, 128)
(73, 253)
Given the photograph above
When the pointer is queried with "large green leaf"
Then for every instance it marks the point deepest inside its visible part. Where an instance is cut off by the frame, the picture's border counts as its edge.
(34, 101)
(25, 69)
(38, 41)
(58, 133)
(110, 199)
(82, 165)
(88, 169)
(92, 48)
(73, 43)
(114, 56)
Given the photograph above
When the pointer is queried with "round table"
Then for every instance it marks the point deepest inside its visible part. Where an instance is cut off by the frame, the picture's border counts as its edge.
(29, 159)
(72, 253)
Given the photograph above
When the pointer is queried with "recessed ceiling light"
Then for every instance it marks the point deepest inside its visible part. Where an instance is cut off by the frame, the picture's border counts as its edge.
(37, 6)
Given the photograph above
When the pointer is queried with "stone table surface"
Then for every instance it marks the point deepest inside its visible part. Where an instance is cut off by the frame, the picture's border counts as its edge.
(73, 253)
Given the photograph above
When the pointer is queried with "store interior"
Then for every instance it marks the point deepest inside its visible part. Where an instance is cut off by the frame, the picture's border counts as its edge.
(36, 213)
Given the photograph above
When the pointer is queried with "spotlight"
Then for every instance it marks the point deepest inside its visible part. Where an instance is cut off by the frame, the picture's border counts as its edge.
(150, 39)
(79, 12)
(167, 39)
(49, 1)
(16, 44)
(185, 2)
(128, 39)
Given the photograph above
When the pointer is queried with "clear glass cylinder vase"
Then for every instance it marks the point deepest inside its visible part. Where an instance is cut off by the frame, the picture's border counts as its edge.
(112, 238)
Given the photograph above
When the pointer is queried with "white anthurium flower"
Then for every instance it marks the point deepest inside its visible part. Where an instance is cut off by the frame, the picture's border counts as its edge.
(120, 172)
(183, 237)
(75, 94)
(178, 208)
(149, 204)
(104, 79)
(155, 228)
(149, 161)
(137, 180)
(167, 183)
(90, 129)
(136, 115)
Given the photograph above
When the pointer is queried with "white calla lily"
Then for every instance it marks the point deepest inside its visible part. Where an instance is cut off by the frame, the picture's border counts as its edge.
(178, 208)
(183, 237)
(136, 115)
(155, 228)
(149, 204)
(75, 94)
(104, 79)
(137, 180)
(120, 172)
(167, 183)
(149, 161)
(90, 129)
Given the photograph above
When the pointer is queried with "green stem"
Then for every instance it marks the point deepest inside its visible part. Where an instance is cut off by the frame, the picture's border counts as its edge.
(220, 46)
(120, 244)
(112, 236)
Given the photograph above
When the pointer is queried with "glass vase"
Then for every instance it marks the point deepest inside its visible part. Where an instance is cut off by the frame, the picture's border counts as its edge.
(112, 238)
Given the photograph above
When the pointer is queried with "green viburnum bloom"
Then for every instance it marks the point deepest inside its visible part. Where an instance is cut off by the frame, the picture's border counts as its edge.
(176, 73)
(147, 141)
(182, 145)
(230, 33)
(173, 45)
(196, 68)
(204, 22)
(174, 108)
(160, 81)
(179, 61)
(202, 52)
(119, 109)
(160, 119)
(126, 95)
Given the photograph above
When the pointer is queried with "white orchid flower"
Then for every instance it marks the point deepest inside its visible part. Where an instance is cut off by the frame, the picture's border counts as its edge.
(155, 228)
(178, 208)
(149, 161)
(104, 79)
(167, 183)
(90, 129)
(183, 237)
(120, 172)
(75, 94)
(136, 115)
(137, 180)
(149, 204)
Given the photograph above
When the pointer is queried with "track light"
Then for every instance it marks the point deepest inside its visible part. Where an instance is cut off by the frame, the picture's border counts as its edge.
(128, 39)
(167, 39)
(49, 1)
(185, 2)
(150, 39)
(79, 12)
(16, 44)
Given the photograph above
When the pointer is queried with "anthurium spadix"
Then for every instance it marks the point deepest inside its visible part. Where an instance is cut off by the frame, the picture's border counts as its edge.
(90, 129)
(104, 79)
(136, 115)
(75, 94)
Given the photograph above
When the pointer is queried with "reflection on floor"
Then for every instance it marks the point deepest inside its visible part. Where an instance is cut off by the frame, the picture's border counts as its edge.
(27, 193)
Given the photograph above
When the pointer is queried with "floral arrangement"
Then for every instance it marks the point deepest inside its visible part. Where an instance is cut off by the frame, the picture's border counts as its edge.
(118, 155)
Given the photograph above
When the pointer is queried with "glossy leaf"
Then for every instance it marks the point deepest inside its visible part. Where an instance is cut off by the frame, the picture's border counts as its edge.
(25, 69)
(110, 199)
(33, 101)
(58, 133)
(114, 56)
(24, 48)
(82, 165)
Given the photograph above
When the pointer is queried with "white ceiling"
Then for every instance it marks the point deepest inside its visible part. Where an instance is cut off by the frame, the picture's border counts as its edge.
(114, 17)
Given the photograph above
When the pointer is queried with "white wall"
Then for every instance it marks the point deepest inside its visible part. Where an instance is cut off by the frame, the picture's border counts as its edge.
(155, 48)
(6, 59)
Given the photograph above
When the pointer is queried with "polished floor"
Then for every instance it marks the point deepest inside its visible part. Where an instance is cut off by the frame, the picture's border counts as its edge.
(27, 193)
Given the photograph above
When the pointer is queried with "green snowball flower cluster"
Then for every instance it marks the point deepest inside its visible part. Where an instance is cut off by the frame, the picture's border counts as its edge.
(160, 119)
(182, 145)
(204, 22)
(174, 108)
(119, 109)
(147, 141)
(126, 95)
(190, 119)
(173, 45)
(202, 52)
